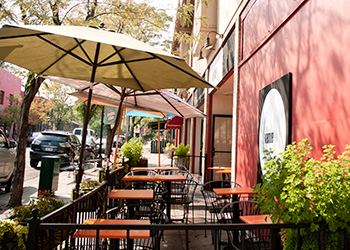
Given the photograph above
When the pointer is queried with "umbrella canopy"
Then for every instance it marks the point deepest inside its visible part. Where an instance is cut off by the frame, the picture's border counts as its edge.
(143, 114)
(161, 102)
(94, 55)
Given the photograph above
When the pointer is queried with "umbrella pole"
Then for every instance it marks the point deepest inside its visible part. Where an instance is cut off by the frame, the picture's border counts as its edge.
(158, 142)
(83, 142)
(116, 125)
(100, 151)
(117, 142)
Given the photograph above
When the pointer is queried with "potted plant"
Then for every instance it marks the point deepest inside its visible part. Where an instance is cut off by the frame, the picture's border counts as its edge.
(297, 188)
(182, 152)
(132, 150)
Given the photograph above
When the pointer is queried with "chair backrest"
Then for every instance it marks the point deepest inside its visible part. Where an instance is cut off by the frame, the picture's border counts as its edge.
(253, 239)
(185, 173)
(211, 199)
(191, 186)
(156, 217)
(230, 212)
(219, 184)
(142, 172)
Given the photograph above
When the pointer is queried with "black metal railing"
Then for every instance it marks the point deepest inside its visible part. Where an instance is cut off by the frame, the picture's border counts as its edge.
(38, 228)
(55, 230)
(184, 162)
(92, 204)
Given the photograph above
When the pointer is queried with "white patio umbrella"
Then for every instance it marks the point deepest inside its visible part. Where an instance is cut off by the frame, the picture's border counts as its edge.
(94, 55)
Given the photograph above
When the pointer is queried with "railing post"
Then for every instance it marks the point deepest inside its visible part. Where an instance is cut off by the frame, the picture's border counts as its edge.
(172, 159)
(33, 233)
(275, 239)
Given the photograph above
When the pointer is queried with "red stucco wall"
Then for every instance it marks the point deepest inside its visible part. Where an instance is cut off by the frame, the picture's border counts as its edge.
(311, 40)
(10, 84)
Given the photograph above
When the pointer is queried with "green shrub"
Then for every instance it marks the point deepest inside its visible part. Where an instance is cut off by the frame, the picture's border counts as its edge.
(44, 203)
(13, 235)
(182, 151)
(300, 189)
(133, 150)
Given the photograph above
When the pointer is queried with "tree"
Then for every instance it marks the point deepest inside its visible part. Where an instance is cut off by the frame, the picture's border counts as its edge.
(139, 20)
(39, 110)
(80, 108)
(61, 103)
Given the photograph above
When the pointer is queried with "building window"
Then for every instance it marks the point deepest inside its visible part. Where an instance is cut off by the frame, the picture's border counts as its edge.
(2, 95)
(10, 100)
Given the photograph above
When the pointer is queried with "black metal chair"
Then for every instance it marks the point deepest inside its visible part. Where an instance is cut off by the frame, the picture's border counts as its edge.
(178, 187)
(184, 195)
(156, 217)
(210, 196)
(142, 184)
(244, 239)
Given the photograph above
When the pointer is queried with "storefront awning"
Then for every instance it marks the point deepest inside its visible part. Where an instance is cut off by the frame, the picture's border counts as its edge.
(174, 123)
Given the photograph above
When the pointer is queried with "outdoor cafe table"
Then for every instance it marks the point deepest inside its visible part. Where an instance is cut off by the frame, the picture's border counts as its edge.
(114, 234)
(264, 219)
(219, 169)
(138, 178)
(168, 179)
(234, 191)
(131, 194)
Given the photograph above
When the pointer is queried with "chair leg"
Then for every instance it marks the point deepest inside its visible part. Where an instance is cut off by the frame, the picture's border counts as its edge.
(193, 212)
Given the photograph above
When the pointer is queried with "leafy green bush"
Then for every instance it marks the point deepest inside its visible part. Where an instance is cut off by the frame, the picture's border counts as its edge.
(13, 235)
(182, 150)
(133, 150)
(300, 189)
(44, 203)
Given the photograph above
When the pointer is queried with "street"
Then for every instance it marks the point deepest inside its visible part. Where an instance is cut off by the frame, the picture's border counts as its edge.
(66, 183)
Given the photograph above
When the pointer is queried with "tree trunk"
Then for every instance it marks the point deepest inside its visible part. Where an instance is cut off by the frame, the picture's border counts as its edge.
(32, 86)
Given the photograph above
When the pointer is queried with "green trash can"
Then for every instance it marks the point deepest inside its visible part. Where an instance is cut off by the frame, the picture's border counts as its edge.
(49, 172)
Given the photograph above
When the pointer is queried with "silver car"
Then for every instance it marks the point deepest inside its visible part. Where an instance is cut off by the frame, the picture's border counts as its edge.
(7, 163)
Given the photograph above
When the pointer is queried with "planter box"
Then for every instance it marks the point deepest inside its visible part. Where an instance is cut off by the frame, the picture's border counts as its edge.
(143, 163)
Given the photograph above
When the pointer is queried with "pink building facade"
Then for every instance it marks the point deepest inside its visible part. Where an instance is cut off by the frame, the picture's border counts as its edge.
(9, 85)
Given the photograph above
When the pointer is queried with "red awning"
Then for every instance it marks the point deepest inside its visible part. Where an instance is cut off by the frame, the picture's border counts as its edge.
(174, 123)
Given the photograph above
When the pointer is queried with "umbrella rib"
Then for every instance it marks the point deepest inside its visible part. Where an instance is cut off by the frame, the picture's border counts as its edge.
(179, 68)
(83, 89)
(84, 51)
(113, 88)
(170, 104)
(127, 66)
(129, 61)
(107, 64)
(67, 51)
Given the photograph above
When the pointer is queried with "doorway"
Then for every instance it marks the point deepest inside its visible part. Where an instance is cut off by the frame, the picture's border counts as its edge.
(221, 141)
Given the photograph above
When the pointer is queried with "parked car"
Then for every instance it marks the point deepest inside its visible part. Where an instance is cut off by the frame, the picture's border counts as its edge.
(8, 157)
(60, 143)
(79, 132)
(31, 138)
